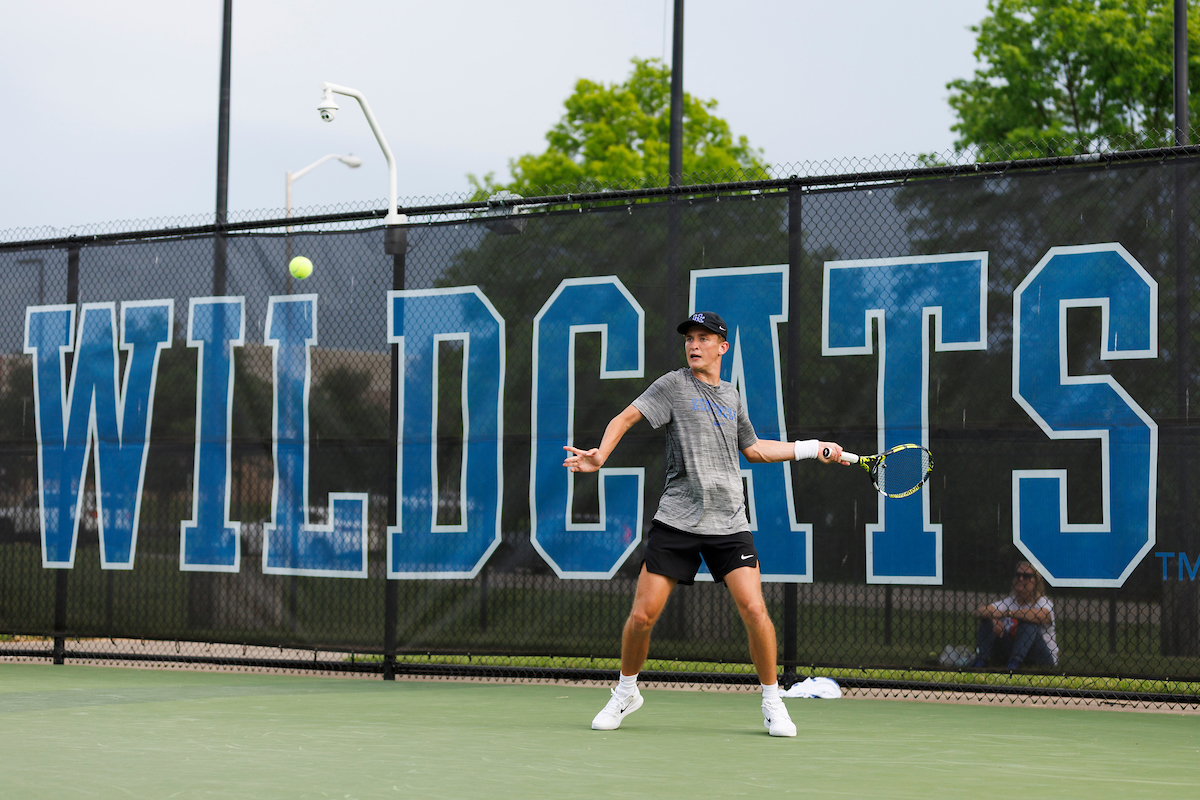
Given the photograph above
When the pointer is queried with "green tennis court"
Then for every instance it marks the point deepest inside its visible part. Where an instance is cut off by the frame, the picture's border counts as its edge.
(79, 731)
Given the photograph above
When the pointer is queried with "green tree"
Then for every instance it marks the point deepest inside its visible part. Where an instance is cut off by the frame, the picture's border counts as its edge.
(619, 135)
(1060, 77)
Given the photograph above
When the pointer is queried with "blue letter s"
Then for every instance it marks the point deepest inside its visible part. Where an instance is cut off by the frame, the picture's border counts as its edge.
(1086, 407)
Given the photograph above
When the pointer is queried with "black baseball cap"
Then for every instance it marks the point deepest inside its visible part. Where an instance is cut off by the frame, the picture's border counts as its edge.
(705, 319)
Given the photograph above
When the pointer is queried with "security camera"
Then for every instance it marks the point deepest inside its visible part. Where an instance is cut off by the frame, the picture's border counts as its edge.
(327, 106)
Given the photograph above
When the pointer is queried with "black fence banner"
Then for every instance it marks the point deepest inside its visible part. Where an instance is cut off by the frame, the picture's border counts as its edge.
(255, 468)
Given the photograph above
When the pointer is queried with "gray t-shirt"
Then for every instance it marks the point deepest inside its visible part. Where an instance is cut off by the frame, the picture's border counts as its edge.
(707, 428)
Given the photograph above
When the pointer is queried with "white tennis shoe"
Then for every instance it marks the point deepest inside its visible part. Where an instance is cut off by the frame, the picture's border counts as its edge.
(776, 719)
(618, 707)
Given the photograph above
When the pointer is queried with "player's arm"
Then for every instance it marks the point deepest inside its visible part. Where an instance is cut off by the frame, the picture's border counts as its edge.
(592, 460)
(769, 451)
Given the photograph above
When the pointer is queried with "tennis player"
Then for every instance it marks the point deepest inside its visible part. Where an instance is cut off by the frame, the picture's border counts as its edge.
(702, 512)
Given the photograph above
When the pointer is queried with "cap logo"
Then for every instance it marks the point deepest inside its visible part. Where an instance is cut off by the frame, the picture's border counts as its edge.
(704, 319)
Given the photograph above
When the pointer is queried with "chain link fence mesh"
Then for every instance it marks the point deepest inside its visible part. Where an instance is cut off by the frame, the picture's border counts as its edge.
(517, 618)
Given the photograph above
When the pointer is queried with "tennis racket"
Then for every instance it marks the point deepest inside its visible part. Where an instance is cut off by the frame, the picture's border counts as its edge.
(897, 472)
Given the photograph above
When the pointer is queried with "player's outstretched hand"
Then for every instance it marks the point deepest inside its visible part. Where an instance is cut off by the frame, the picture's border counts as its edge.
(830, 453)
(582, 460)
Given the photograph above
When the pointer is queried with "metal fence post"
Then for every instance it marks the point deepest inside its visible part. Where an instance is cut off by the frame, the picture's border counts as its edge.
(60, 579)
(791, 608)
(675, 172)
(395, 243)
(1180, 630)
(222, 215)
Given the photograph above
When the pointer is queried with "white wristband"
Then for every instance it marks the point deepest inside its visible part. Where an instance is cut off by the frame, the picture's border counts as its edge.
(806, 449)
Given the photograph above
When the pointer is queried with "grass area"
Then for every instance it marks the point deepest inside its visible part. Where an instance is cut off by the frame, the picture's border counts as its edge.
(540, 618)
(1000, 680)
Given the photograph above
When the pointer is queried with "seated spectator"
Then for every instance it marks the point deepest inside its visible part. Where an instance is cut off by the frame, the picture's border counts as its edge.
(1018, 630)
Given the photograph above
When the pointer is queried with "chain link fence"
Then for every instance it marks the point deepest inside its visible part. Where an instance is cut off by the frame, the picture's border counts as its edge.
(518, 609)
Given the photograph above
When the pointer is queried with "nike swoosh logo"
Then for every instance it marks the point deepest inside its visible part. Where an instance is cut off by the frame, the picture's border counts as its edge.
(748, 555)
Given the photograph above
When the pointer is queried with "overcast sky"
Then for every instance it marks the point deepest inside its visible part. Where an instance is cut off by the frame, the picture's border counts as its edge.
(113, 106)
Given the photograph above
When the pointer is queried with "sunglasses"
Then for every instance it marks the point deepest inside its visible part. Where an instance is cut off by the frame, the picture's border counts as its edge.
(1025, 576)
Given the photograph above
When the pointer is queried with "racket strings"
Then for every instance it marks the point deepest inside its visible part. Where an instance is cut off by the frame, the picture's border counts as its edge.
(902, 470)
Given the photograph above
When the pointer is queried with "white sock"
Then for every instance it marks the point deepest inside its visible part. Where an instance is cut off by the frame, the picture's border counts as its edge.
(770, 692)
(627, 685)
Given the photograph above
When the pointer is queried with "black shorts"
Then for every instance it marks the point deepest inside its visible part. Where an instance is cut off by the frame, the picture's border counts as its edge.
(677, 554)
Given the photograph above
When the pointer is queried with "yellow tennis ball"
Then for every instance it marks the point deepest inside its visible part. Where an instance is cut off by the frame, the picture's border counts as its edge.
(300, 267)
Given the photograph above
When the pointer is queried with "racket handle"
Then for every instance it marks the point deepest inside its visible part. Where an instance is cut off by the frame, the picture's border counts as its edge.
(853, 459)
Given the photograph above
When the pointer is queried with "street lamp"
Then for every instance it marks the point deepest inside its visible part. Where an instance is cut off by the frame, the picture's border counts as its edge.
(329, 108)
(351, 161)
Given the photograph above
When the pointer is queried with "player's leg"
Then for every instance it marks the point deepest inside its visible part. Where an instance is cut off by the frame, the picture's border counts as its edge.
(653, 590)
(672, 557)
(745, 586)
